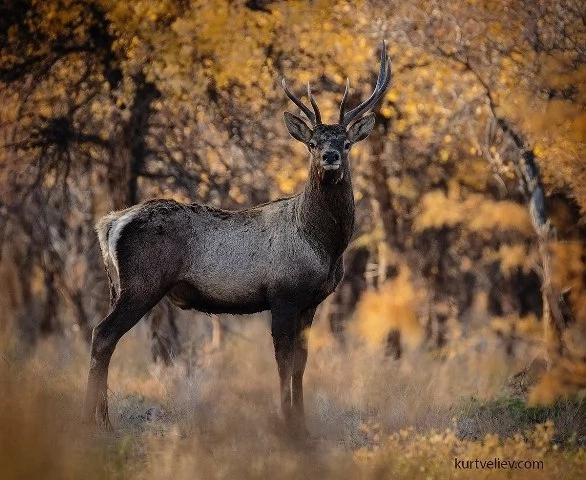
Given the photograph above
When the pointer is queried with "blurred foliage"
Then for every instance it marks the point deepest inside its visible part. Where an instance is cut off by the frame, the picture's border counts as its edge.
(104, 103)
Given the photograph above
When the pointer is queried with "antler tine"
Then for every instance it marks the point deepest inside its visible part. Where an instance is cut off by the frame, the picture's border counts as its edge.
(308, 113)
(343, 104)
(314, 105)
(382, 83)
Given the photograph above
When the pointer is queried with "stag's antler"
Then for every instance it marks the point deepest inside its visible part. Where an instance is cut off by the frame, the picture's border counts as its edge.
(382, 83)
(314, 117)
(314, 105)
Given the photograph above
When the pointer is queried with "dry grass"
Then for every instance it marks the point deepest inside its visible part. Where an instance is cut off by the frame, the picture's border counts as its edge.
(371, 417)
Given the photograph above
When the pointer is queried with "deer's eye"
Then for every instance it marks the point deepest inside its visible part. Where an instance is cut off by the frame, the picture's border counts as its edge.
(311, 145)
(347, 146)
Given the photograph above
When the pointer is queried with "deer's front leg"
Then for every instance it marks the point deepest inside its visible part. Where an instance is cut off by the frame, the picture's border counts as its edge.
(299, 362)
(283, 327)
(284, 356)
(284, 346)
(291, 355)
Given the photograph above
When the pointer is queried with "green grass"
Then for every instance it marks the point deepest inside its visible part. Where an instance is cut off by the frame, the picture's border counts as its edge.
(507, 416)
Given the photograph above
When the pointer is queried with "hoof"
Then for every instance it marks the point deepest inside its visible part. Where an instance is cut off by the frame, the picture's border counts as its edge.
(297, 430)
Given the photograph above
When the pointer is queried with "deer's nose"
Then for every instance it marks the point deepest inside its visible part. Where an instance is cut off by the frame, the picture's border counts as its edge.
(330, 157)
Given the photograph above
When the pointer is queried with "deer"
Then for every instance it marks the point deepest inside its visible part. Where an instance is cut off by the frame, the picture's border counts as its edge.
(284, 256)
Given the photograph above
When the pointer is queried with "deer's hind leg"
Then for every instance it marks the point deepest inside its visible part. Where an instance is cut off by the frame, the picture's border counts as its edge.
(130, 306)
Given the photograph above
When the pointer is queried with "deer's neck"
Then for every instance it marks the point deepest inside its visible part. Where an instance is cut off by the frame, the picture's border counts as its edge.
(326, 213)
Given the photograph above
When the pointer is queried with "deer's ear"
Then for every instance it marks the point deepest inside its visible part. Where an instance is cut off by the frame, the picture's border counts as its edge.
(361, 128)
(297, 128)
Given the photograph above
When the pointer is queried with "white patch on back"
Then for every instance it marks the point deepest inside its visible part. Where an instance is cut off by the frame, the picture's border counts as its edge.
(115, 231)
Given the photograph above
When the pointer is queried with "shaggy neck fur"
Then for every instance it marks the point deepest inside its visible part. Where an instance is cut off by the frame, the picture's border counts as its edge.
(326, 211)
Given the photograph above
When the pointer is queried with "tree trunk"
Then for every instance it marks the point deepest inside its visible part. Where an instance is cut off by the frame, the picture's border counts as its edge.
(530, 183)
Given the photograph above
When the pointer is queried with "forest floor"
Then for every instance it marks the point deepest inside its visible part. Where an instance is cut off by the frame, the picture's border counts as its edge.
(216, 415)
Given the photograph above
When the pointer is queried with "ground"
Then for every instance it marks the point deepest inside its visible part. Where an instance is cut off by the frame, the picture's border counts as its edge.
(215, 414)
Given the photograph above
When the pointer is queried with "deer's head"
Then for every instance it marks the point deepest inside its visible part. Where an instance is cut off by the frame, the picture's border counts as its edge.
(329, 145)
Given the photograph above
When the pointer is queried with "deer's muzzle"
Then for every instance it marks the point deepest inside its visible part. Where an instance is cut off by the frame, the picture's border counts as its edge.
(331, 160)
